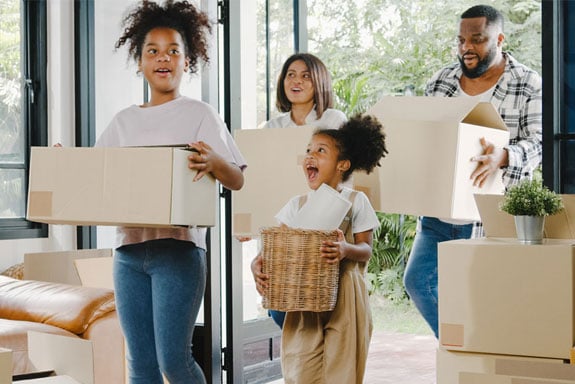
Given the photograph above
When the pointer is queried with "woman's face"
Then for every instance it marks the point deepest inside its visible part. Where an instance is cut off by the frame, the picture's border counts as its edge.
(298, 85)
(163, 62)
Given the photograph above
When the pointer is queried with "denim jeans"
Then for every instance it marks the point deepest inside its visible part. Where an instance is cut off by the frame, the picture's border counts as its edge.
(278, 317)
(420, 278)
(159, 287)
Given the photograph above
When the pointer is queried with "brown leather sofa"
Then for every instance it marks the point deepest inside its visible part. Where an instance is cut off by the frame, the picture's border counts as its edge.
(75, 311)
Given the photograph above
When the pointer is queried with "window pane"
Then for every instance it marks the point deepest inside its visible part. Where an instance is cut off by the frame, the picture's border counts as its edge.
(569, 67)
(12, 191)
(568, 177)
(11, 131)
(275, 27)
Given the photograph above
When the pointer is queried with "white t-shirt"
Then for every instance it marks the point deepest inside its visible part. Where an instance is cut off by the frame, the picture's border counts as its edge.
(330, 119)
(363, 217)
(180, 121)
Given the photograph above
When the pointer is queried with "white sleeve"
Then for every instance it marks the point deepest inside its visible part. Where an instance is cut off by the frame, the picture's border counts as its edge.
(288, 212)
(363, 215)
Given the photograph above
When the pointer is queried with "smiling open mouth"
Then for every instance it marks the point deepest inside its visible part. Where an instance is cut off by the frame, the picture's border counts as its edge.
(312, 172)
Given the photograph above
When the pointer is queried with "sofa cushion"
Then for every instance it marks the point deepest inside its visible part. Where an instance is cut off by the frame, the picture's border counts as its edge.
(70, 307)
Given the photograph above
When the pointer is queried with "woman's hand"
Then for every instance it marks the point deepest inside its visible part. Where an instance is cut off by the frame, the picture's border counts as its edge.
(260, 278)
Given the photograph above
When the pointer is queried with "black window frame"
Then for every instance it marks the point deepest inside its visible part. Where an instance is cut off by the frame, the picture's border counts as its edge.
(34, 109)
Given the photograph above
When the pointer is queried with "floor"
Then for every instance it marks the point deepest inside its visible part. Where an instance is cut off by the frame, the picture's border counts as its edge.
(399, 358)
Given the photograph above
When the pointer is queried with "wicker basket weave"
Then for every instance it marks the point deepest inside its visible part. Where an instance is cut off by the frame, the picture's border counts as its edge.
(300, 280)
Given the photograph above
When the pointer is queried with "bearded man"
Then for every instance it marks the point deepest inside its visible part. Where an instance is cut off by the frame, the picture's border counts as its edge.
(486, 73)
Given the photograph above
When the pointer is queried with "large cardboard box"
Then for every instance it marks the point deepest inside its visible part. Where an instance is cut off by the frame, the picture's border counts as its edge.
(478, 368)
(141, 186)
(275, 175)
(499, 296)
(66, 356)
(5, 366)
(96, 272)
(59, 267)
(431, 141)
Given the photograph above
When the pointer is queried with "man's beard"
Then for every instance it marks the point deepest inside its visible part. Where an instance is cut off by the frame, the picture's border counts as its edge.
(481, 67)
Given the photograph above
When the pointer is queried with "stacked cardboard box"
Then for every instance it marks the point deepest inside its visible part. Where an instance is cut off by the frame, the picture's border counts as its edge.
(506, 309)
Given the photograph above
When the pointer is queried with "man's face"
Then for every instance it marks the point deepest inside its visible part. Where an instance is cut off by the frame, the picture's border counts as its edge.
(478, 46)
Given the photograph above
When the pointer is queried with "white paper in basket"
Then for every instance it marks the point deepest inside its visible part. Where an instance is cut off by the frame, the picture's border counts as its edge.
(324, 210)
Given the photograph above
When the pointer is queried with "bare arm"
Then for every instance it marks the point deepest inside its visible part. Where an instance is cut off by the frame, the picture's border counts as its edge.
(335, 251)
(205, 161)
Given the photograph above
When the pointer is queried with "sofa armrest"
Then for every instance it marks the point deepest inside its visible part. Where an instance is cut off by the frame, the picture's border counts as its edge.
(70, 307)
(109, 351)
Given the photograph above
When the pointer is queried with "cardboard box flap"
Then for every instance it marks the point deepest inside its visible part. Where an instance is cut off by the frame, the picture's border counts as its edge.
(497, 223)
(452, 109)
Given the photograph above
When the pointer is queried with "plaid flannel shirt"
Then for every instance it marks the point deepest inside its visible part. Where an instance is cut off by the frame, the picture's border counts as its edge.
(517, 98)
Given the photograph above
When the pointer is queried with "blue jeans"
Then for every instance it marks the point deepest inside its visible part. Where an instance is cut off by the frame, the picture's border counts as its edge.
(278, 317)
(159, 287)
(420, 278)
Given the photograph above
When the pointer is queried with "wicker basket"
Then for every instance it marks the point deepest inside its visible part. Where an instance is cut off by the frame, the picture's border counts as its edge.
(300, 280)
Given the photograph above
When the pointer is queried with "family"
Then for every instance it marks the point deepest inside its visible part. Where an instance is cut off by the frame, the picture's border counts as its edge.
(160, 273)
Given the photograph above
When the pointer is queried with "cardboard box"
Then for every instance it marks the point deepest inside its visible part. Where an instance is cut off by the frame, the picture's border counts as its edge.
(59, 379)
(500, 296)
(145, 186)
(58, 267)
(477, 368)
(275, 175)
(497, 223)
(431, 141)
(95, 272)
(68, 356)
(5, 366)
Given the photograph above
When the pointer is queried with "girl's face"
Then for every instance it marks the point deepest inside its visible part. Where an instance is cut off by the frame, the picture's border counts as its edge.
(321, 164)
(298, 85)
(163, 63)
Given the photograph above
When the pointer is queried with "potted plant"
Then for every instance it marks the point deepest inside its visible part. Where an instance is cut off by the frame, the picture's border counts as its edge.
(529, 202)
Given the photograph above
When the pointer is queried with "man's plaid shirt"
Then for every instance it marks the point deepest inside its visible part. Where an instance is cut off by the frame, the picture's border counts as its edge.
(517, 98)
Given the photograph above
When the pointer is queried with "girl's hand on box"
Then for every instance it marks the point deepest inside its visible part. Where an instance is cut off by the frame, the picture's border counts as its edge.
(260, 278)
(334, 251)
(204, 160)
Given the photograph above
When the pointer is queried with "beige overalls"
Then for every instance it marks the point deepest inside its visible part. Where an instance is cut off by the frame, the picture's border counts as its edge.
(331, 347)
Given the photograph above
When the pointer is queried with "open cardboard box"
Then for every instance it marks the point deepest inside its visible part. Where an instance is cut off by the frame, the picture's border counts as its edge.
(274, 176)
(497, 295)
(431, 141)
(70, 358)
(58, 267)
(95, 272)
(497, 223)
(137, 186)
(5, 366)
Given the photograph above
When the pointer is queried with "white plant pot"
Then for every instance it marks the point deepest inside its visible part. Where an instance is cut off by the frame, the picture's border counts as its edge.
(530, 229)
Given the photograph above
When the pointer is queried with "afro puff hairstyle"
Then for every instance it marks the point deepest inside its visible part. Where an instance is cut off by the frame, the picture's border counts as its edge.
(182, 16)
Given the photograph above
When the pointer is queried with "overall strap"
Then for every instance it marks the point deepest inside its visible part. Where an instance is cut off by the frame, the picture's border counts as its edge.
(346, 223)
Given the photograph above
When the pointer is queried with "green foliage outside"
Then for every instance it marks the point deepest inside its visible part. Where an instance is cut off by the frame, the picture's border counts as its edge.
(385, 47)
(393, 47)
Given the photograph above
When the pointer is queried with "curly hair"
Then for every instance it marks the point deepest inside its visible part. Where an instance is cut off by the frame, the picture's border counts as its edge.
(320, 77)
(192, 24)
(360, 140)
